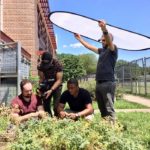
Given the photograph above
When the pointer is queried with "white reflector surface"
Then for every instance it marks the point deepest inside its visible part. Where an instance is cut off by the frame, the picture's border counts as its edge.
(89, 28)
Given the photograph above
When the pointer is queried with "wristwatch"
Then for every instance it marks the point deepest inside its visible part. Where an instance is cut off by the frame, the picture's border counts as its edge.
(105, 32)
(52, 90)
(77, 115)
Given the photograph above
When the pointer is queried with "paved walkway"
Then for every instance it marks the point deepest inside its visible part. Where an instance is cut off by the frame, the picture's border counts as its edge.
(137, 99)
(133, 110)
(134, 99)
(127, 110)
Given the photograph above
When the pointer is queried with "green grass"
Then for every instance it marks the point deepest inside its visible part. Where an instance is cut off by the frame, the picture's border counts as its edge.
(3, 123)
(122, 104)
(136, 125)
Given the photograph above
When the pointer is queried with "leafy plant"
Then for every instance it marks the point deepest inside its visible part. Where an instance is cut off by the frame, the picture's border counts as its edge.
(69, 135)
(90, 86)
(73, 66)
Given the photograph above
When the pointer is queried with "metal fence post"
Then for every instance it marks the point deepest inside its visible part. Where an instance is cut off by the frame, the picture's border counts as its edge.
(18, 67)
(145, 83)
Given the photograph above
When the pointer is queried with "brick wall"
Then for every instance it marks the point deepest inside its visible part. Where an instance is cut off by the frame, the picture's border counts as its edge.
(20, 23)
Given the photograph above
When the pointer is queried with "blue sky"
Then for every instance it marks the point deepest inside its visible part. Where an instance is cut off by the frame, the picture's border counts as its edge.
(133, 15)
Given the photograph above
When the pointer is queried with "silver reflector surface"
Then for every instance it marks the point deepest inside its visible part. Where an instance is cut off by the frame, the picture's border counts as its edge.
(88, 27)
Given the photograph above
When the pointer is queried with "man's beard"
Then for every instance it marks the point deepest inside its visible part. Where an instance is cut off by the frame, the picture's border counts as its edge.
(105, 46)
(27, 98)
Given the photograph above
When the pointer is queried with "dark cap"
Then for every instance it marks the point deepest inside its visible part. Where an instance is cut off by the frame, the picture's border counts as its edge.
(46, 56)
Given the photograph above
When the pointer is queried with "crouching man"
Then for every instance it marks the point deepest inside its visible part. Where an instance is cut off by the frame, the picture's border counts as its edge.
(26, 105)
(79, 101)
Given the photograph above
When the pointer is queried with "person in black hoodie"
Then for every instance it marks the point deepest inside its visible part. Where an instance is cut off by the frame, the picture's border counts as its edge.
(50, 83)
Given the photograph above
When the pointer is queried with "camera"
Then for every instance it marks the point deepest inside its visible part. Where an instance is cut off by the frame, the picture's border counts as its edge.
(44, 86)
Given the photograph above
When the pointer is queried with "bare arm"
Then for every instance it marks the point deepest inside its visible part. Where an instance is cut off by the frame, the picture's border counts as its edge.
(16, 118)
(41, 76)
(40, 108)
(86, 44)
(87, 111)
(61, 111)
(59, 76)
(107, 36)
(42, 113)
(60, 107)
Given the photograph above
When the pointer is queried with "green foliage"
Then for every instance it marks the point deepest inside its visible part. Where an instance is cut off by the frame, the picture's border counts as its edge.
(132, 133)
(121, 62)
(35, 82)
(119, 92)
(4, 117)
(90, 86)
(136, 126)
(73, 67)
(69, 135)
(3, 123)
(122, 104)
(89, 62)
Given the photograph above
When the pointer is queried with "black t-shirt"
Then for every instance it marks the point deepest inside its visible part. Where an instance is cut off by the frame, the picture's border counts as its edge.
(76, 103)
(106, 64)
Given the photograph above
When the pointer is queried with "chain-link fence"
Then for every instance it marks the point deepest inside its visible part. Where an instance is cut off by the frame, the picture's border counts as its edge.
(13, 67)
(134, 77)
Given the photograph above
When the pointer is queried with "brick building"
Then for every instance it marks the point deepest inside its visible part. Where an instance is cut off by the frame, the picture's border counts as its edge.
(27, 21)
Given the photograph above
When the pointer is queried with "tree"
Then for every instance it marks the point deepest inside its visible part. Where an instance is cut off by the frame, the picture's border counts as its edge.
(89, 62)
(73, 66)
(121, 62)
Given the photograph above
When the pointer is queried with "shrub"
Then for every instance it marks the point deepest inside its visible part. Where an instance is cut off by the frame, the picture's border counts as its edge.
(90, 86)
(119, 93)
(69, 135)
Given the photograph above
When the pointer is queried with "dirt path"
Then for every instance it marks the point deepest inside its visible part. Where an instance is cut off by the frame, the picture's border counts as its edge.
(134, 99)
(133, 110)
(137, 99)
(127, 110)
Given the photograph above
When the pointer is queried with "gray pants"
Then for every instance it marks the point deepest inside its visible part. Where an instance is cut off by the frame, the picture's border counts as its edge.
(105, 92)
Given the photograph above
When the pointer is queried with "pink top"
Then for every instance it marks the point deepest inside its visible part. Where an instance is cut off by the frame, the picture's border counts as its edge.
(24, 107)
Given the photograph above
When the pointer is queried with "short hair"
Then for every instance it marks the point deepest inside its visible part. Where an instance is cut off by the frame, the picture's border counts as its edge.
(46, 56)
(73, 81)
(23, 82)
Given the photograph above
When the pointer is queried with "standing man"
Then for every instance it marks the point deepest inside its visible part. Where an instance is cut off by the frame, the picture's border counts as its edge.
(79, 101)
(51, 74)
(105, 85)
(26, 105)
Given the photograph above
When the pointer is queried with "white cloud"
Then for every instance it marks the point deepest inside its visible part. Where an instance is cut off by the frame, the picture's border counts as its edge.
(76, 45)
(64, 46)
